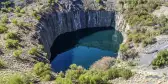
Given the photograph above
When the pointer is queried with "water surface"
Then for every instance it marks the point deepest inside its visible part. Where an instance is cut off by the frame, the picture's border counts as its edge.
(86, 49)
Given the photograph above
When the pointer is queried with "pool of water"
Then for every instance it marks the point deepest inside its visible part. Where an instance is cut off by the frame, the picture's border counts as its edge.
(87, 49)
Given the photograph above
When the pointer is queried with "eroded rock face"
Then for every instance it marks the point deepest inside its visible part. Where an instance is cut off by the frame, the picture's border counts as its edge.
(56, 23)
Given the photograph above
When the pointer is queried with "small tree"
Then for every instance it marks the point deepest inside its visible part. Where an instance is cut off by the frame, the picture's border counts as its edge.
(11, 35)
(12, 43)
(113, 73)
(123, 48)
(33, 51)
(16, 79)
(2, 63)
(3, 28)
(125, 73)
(17, 53)
(43, 71)
(161, 59)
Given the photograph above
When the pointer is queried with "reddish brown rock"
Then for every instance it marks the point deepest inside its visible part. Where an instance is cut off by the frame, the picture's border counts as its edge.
(104, 63)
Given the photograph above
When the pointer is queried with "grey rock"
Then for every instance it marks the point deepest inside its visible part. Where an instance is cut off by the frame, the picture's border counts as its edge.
(56, 23)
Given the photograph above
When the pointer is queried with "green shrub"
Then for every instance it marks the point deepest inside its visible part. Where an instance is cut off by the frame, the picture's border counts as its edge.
(36, 15)
(138, 14)
(43, 71)
(124, 48)
(148, 41)
(17, 9)
(98, 1)
(51, 2)
(161, 59)
(6, 3)
(17, 53)
(14, 21)
(4, 19)
(2, 63)
(16, 79)
(10, 43)
(5, 10)
(11, 35)
(125, 73)
(92, 77)
(73, 67)
(78, 75)
(33, 51)
(10, 9)
(22, 11)
(131, 63)
(113, 73)
(41, 47)
(60, 80)
(119, 72)
(74, 72)
(3, 28)
(19, 79)
(18, 14)
(132, 53)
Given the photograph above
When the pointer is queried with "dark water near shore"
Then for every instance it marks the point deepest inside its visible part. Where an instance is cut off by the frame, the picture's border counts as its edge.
(84, 47)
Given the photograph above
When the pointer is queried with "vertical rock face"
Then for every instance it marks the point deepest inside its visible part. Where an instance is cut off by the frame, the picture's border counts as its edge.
(123, 27)
(56, 23)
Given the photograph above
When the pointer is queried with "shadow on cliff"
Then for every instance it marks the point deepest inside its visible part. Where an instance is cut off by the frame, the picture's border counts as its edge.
(68, 40)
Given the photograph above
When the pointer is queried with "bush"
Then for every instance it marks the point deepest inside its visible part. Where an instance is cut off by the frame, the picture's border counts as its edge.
(98, 1)
(60, 80)
(124, 48)
(17, 9)
(41, 47)
(10, 9)
(119, 72)
(2, 63)
(73, 67)
(161, 59)
(113, 73)
(93, 77)
(19, 79)
(18, 14)
(12, 43)
(148, 41)
(16, 79)
(125, 73)
(17, 53)
(132, 53)
(4, 19)
(14, 21)
(36, 15)
(43, 71)
(3, 28)
(6, 3)
(22, 11)
(5, 10)
(51, 2)
(11, 35)
(74, 72)
(33, 51)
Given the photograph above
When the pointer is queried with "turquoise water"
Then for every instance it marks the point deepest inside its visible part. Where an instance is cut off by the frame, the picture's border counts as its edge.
(89, 49)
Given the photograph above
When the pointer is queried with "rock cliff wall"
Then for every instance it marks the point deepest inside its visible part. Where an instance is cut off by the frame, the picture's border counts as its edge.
(56, 23)
(123, 27)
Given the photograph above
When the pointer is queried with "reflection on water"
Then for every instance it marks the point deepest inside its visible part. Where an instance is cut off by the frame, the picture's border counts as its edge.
(80, 55)
(87, 49)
